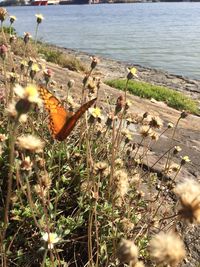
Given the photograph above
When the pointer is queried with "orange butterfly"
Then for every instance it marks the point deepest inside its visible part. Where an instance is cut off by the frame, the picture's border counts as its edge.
(62, 122)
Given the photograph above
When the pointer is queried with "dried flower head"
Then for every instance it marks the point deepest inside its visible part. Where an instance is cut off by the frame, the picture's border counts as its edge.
(34, 69)
(94, 62)
(45, 180)
(29, 93)
(3, 14)
(30, 62)
(145, 131)
(12, 19)
(119, 163)
(100, 129)
(127, 225)
(121, 184)
(170, 125)
(188, 192)
(119, 104)
(145, 115)
(47, 73)
(132, 72)
(156, 122)
(174, 167)
(95, 112)
(23, 106)
(39, 18)
(40, 162)
(128, 104)
(167, 248)
(13, 77)
(91, 85)
(26, 164)
(185, 160)
(3, 137)
(40, 191)
(127, 134)
(11, 110)
(27, 37)
(154, 136)
(177, 149)
(86, 186)
(136, 177)
(23, 64)
(51, 239)
(30, 143)
(110, 119)
(70, 83)
(127, 252)
(3, 51)
(138, 264)
(23, 118)
(101, 168)
(183, 115)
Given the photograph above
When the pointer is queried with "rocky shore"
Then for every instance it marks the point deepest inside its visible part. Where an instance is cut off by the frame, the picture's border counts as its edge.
(110, 68)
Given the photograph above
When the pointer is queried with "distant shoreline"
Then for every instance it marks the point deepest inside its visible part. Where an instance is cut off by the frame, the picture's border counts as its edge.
(13, 3)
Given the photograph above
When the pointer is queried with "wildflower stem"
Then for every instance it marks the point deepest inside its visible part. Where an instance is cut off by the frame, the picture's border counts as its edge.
(10, 175)
(44, 258)
(173, 134)
(6, 43)
(139, 145)
(96, 232)
(115, 140)
(124, 110)
(160, 205)
(84, 86)
(31, 202)
(90, 257)
(169, 217)
(5, 80)
(112, 159)
(3, 33)
(36, 33)
(162, 132)
(10, 29)
(179, 169)
(24, 56)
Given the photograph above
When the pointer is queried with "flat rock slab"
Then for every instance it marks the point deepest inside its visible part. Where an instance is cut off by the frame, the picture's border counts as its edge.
(188, 132)
(187, 135)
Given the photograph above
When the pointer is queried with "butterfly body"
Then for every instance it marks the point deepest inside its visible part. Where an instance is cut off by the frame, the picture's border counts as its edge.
(61, 121)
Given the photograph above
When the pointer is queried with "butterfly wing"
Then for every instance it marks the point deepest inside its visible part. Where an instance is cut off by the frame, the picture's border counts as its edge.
(71, 121)
(61, 121)
(57, 113)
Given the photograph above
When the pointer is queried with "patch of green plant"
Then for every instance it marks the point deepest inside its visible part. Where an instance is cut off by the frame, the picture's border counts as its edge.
(9, 30)
(60, 58)
(171, 97)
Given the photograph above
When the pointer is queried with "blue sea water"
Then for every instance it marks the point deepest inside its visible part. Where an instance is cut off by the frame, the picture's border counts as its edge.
(159, 35)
